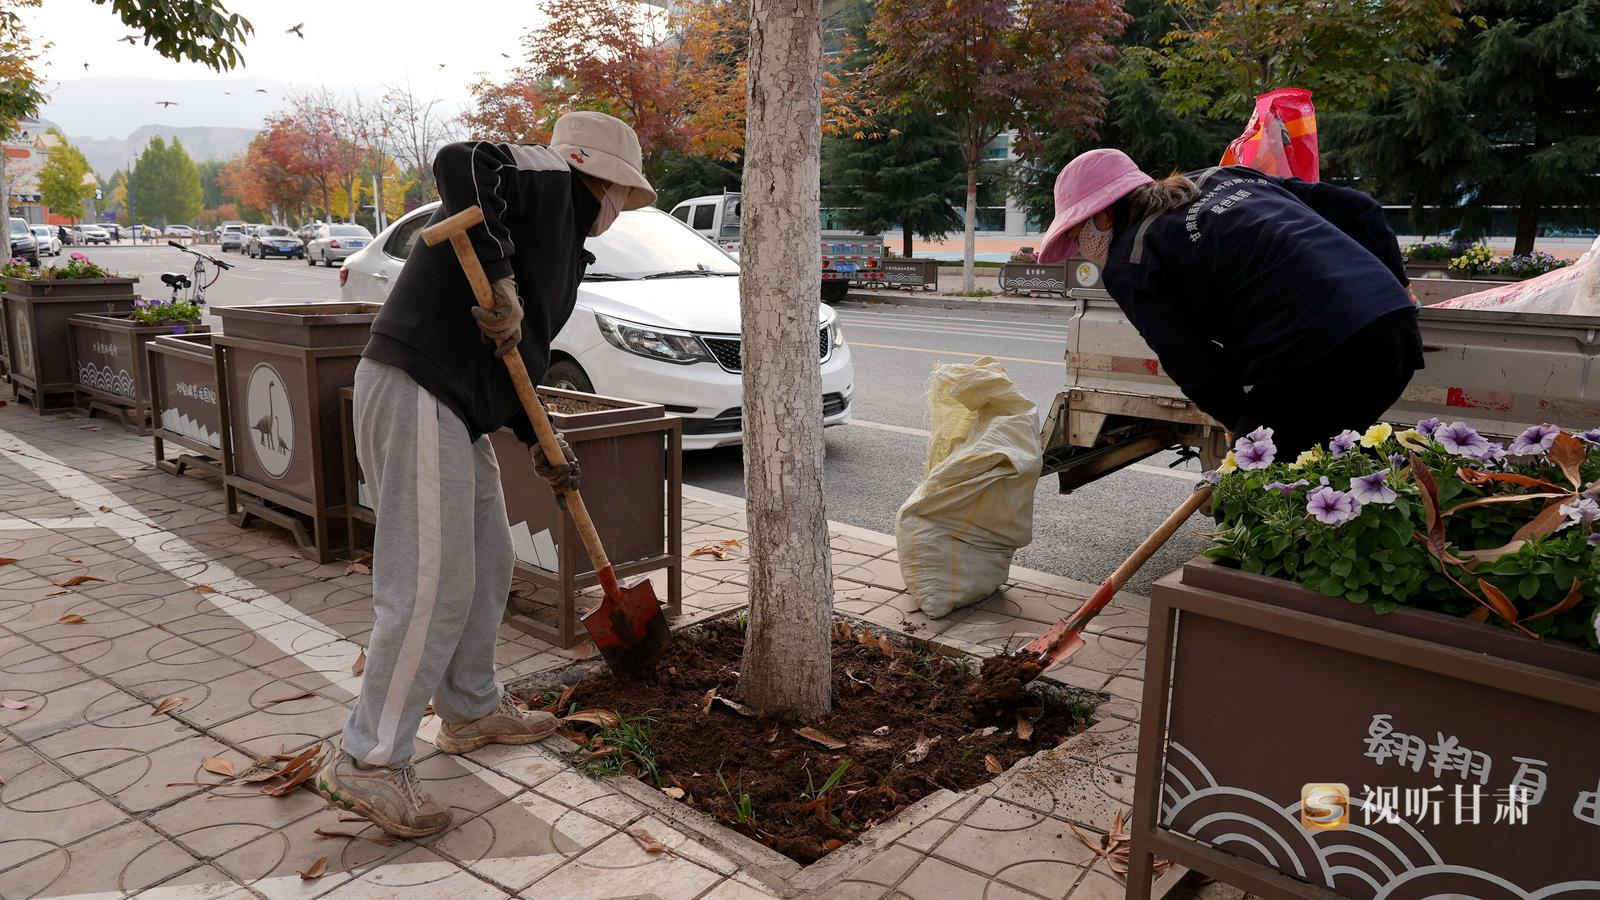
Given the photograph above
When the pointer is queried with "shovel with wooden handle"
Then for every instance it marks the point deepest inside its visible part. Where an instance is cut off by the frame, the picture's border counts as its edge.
(1066, 636)
(628, 626)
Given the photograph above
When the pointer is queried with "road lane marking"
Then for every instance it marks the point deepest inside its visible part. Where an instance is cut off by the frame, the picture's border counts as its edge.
(1181, 474)
(1020, 359)
(958, 332)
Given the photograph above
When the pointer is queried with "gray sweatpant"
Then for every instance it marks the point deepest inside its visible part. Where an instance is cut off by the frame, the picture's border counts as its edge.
(441, 569)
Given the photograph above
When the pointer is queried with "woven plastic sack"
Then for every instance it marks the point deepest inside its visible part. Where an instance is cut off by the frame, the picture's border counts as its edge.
(1570, 291)
(974, 509)
(1280, 138)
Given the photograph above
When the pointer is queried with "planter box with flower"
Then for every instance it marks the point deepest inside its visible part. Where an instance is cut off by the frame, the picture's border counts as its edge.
(107, 353)
(1481, 264)
(36, 309)
(1411, 616)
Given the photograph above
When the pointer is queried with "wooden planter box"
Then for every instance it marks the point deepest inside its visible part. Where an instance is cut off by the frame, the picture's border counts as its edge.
(913, 274)
(39, 352)
(185, 402)
(279, 370)
(1416, 270)
(632, 460)
(108, 364)
(1265, 688)
(1033, 278)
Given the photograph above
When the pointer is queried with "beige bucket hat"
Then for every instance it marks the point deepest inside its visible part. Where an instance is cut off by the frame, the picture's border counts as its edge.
(606, 148)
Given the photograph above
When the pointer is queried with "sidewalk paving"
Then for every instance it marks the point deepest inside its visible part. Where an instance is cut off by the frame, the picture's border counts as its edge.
(86, 807)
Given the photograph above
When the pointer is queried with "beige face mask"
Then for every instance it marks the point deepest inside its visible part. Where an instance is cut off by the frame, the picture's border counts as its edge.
(610, 207)
(1094, 243)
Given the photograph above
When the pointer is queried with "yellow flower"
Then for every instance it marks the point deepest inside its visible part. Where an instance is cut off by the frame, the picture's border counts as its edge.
(1306, 457)
(1229, 463)
(1411, 439)
(1377, 434)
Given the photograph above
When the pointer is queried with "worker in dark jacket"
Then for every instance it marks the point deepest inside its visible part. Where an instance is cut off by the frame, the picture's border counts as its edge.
(1270, 301)
(429, 389)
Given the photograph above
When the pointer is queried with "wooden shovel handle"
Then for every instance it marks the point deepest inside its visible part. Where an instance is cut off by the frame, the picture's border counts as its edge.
(454, 229)
(1158, 538)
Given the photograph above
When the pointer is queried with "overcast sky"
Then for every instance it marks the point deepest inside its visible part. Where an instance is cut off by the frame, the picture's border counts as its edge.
(349, 44)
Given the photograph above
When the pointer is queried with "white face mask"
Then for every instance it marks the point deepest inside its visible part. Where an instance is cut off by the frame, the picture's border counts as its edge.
(1094, 243)
(610, 207)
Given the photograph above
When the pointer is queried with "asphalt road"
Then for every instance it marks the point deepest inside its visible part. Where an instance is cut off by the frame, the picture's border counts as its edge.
(875, 462)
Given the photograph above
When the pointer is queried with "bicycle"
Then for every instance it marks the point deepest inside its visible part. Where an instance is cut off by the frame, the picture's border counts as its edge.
(199, 280)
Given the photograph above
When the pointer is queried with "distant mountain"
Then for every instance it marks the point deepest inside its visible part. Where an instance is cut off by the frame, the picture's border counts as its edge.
(106, 155)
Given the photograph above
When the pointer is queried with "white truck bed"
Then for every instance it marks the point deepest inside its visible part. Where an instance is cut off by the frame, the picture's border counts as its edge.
(1499, 372)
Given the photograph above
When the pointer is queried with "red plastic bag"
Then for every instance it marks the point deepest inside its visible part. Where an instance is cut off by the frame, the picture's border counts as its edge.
(1281, 137)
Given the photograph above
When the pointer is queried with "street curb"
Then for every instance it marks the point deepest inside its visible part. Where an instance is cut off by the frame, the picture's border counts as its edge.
(1060, 308)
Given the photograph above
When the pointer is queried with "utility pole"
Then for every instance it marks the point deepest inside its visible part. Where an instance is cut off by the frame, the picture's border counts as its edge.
(133, 224)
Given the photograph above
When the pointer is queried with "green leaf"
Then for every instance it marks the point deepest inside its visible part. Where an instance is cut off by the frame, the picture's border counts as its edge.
(1528, 587)
(1341, 568)
(1333, 587)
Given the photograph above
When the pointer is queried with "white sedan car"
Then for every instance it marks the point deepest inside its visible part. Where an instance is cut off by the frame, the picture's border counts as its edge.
(657, 320)
(48, 239)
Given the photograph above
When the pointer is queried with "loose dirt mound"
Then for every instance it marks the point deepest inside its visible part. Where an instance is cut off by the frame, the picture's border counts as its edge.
(904, 721)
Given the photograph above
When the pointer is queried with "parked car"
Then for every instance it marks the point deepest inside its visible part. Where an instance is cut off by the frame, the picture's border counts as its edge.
(274, 240)
(334, 243)
(179, 231)
(308, 231)
(49, 243)
(232, 237)
(657, 320)
(23, 245)
(94, 234)
(114, 230)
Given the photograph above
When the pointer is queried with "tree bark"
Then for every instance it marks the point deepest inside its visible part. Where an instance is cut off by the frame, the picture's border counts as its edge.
(905, 240)
(1527, 224)
(970, 251)
(787, 666)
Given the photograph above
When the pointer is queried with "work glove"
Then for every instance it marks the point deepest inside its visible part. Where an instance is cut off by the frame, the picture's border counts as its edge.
(561, 478)
(503, 324)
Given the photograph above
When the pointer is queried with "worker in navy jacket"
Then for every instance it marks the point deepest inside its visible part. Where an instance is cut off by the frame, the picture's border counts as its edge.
(1270, 301)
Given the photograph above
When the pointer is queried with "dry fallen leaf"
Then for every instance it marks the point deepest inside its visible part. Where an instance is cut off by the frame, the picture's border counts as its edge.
(825, 741)
(328, 833)
(719, 549)
(734, 706)
(7, 560)
(566, 695)
(1024, 727)
(705, 702)
(72, 619)
(168, 705)
(203, 589)
(217, 766)
(360, 664)
(831, 844)
(919, 750)
(287, 697)
(76, 580)
(603, 718)
(73, 560)
(105, 509)
(316, 870)
(9, 703)
(584, 650)
(2, 780)
(675, 793)
(992, 764)
(881, 730)
(57, 593)
(356, 568)
(647, 842)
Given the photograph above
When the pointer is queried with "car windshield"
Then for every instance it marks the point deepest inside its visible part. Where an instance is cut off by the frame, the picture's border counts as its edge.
(19, 227)
(276, 232)
(348, 231)
(650, 242)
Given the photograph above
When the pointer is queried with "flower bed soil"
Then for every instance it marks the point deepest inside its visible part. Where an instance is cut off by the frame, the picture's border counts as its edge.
(572, 405)
(903, 718)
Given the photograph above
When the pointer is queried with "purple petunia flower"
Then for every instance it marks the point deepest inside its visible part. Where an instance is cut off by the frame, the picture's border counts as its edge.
(1495, 452)
(1462, 440)
(77, 255)
(1428, 426)
(180, 329)
(1583, 512)
(1592, 435)
(1323, 481)
(1594, 539)
(1373, 488)
(1343, 443)
(1260, 434)
(1286, 490)
(1397, 460)
(1534, 441)
(1331, 507)
(1211, 477)
(1254, 455)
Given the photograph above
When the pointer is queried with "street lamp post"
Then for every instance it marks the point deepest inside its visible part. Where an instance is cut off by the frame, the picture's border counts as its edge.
(133, 224)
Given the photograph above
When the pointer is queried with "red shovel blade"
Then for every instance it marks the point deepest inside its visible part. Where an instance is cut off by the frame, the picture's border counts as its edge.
(628, 627)
(1065, 637)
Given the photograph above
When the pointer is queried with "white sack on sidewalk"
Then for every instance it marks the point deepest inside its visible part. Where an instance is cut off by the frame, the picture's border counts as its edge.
(957, 532)
(1570, 290)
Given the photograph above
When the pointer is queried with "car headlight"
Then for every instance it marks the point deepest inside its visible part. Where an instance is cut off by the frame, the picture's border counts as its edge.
(838, 334)
(678, 347)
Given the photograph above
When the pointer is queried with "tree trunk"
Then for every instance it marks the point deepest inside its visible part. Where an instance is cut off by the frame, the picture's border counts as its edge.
(1527, 224)
(787, 667)
(970, 251)
(905, 240)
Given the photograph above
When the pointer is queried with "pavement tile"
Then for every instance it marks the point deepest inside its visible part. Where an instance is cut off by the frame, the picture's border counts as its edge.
(1099, 883)
(619, 867)
(113, 739)
(935, 879)
(519, 842)
(202, 883)
(123, 860)
(211, 702)
(34, 615)
(527, 764)
(292, 724)
(52, 819)
(887, 868)
(26, 772)
(212, 826)
(421, 874)
(590, 796)
(141, 784)
(26, 667)
(468, 787)
(1058, 784)
(998, 836)
(68, 707)
(734, 889)
(271, 863)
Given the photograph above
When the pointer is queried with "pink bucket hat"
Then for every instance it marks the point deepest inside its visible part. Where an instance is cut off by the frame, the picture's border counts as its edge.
(1088, 184)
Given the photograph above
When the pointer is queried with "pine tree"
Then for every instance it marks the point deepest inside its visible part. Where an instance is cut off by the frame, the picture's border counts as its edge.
(678, 176)
(1511, 120)
(911, 177)
(166, 183)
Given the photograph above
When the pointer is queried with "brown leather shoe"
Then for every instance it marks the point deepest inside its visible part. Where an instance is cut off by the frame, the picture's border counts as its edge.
(389, 797)
(510, 723)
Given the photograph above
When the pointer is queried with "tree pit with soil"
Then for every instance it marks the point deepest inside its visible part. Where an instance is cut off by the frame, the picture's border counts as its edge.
(904, 725)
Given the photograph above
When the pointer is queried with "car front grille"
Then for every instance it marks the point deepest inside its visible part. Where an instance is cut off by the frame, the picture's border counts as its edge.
(732, 420)
(728, 351)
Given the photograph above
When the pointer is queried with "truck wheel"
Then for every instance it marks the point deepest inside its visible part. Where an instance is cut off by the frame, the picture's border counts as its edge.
(835, 291)
(568, 376)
